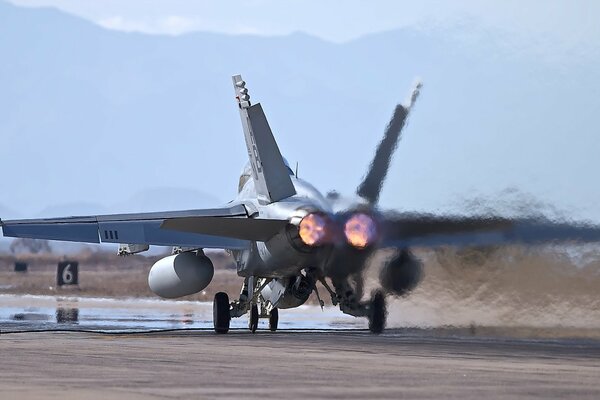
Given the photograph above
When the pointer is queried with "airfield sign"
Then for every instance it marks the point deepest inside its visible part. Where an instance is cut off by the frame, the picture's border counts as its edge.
(67, 273)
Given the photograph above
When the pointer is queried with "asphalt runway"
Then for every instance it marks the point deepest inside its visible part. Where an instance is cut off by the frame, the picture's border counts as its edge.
(317, 354)
(288, 364)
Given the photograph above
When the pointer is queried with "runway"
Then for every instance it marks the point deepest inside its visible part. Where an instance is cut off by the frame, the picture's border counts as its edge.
(315, 355)
(32, 312)
(332, 365)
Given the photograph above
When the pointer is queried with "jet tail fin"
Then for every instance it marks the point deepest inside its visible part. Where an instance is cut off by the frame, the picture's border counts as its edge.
(271, 175)
(371, 186)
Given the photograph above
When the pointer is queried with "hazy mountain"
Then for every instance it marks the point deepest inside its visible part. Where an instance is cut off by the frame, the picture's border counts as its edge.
(6, 212)
(155, 199)
(92, 116)
(164, 199)
(72, 209)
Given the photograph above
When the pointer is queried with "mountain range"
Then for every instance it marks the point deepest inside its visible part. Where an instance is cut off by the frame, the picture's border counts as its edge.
(91, 118)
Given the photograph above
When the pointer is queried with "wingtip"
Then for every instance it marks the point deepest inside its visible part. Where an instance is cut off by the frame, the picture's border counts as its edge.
(238, 81)
(241, 92)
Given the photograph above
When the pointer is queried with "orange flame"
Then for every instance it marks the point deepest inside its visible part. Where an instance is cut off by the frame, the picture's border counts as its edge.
(360, 230)
(313, 229)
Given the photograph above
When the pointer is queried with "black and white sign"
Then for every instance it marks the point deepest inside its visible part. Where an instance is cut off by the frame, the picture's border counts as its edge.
(20, 266)
(67, 273)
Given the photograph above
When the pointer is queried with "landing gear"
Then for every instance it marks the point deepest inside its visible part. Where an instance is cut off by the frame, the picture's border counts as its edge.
(377, 313)
(273, 319)
(253, 320)
(221, 313)
(346, 297)
(253, 304)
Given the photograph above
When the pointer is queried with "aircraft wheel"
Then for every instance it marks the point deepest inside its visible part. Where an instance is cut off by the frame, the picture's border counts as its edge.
(377, 313)
(273, 319)
(253, 321)
(221, 313)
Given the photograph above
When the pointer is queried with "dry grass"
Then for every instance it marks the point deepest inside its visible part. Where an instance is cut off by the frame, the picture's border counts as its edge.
(104, 274)
(542, 287)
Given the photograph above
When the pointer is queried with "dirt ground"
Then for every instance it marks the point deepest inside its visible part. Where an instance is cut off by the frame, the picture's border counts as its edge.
(543, 288)
(104, 275)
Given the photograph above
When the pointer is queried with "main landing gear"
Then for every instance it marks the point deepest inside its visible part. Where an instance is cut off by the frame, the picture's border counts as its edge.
(253, 320)
(377, 312)
(347, 295)
(221, 313)
(273, 320)
(254, 305)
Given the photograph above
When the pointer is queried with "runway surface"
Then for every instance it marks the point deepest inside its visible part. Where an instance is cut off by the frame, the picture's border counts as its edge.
(292, 365)
(19, 312)
(347, 362)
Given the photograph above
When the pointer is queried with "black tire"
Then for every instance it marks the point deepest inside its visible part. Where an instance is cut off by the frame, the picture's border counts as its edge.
(253, 320)
(377, 313)
(221, 313)
(273, 319)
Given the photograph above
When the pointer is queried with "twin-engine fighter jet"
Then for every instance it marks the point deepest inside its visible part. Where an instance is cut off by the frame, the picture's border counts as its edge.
(286, 237)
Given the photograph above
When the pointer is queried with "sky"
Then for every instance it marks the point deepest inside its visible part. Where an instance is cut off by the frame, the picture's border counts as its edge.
(566, 23)
(560, 31)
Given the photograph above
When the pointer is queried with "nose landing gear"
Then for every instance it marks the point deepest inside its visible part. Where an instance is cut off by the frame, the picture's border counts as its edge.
(255, 314)
(251, 302)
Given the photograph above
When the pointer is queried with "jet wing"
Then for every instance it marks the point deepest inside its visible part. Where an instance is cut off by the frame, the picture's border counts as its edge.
(240, 228)
(418, 230)
(207, 228)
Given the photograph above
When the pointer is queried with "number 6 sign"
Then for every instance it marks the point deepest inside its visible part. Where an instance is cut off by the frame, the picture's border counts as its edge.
(67, 273)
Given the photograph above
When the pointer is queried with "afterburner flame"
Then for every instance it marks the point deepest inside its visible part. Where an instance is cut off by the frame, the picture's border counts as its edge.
(360, 230)
(313, 229)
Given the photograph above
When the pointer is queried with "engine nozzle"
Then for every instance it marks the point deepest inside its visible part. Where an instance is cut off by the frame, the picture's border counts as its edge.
(314, 229)
(360, 230)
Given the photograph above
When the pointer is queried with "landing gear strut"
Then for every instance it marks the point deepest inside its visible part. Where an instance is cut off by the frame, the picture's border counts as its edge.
(253, 320)
(273, 319)
(348, 299)
(377, 312)
(221, 313)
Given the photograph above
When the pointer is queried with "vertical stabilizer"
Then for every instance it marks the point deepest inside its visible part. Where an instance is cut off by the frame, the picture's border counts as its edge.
(371, 186)
(271, 175)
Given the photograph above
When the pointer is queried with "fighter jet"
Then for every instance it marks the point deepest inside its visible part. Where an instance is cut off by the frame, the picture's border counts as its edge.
(286, 237)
